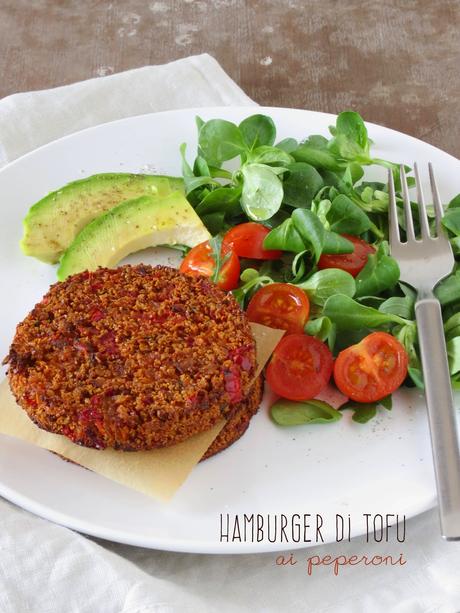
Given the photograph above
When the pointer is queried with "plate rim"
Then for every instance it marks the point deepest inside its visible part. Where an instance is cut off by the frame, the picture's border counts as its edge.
(178, 546)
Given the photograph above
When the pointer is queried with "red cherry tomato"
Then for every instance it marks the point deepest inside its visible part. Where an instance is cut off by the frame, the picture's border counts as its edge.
(349, 262)
(280, 305)
(300, 368)
(372, 369)
(247, 240)
(199, 261)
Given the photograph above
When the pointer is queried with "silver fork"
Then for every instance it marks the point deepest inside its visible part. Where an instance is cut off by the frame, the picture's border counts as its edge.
(423, 263)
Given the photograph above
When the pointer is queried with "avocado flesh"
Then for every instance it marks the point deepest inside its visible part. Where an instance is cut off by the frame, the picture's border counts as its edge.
(52, 223)
(133, 225)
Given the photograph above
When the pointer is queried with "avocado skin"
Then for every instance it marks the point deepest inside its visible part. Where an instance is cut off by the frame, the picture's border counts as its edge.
(53, 222)
(147, 221)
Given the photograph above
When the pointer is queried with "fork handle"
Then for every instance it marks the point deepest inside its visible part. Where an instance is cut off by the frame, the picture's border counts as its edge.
(441, 413)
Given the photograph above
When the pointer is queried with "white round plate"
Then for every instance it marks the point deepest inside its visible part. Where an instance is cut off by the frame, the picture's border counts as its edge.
(383, 467)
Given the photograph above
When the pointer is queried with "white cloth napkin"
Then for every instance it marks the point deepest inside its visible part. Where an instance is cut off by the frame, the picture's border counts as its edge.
(31, 119)
(45, 568)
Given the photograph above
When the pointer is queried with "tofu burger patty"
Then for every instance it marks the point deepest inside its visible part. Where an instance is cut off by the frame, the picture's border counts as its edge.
(132, 358)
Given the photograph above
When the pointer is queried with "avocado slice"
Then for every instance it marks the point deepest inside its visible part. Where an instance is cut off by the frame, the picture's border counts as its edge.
(136, 224)
(53, 222)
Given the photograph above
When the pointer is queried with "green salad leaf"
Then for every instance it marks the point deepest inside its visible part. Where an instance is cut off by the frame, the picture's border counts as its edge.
(398, 305)
(451, 220)
(310, 229)
(347, 314)
(453, 353)
(191, 180)
(326, 283)
(454, 203)
(285, 237)
(350, 140)
(335, 243)
(365, 411)
(346, 217)
(288, 144)
(452, 326)
(362, 411)
(380, 273)
(301, 184)
(200, 167)
(262, 192)
(221, 200)
(220, 140)
(407, 335)
(219, 258)
(290, 413)
(252, 281)
(214, 222)
(314, 151)
(448, 291)
(269, 155)
(258, 130)
(323, 329)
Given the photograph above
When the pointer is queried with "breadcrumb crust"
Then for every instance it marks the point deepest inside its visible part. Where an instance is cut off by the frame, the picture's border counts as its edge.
(132, 358)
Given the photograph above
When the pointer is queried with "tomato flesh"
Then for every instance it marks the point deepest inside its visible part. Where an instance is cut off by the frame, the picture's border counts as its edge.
(300, 368)
(372, 369)
(199, 261)
(247, 240)
(280, 305)
(352, 263)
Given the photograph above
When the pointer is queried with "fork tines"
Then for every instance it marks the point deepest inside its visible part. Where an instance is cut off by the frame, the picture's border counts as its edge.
(408, 213)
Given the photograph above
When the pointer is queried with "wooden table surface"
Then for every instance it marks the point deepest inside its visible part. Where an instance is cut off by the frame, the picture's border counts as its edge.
(397, 62)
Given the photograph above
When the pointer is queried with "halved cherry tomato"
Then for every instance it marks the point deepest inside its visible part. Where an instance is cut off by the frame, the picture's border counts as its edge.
(300, 368)
(349, 262)
(372, 369)
(280, 305)
(199, 261)
(247, 240)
